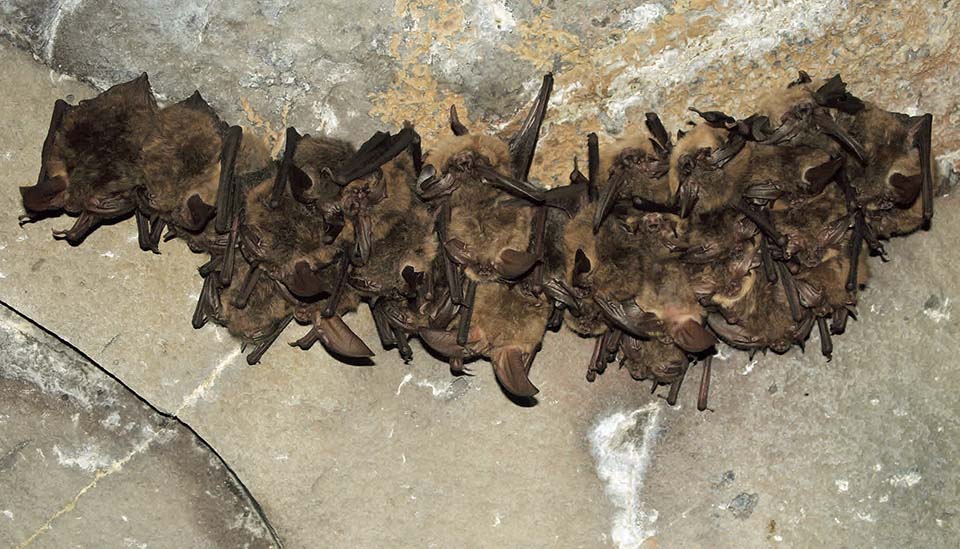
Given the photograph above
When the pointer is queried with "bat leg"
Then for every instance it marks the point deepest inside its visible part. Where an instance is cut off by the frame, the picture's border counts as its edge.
(330, 309)
(628, 316)
(611, 344)
(262, 344)
(466, 312)
(416, 153)
(156, 234)
(704, 384)
(838, 323)
(267, 341)
(403, 344)
(249, 283)
(826, 343)
(556, 317)
(209, 296)
(593, 166)
(143, 230)
(456, 126)
(804, 327)
(334, 334)
(512, 370)
(869, 236)
(675, 387)
(523, 145)
(827, 125)
(230, 253)
(280, 183)
(598, 361)
(921, 140)
(790, 290)
(362, 238)
(539, 236)
(763, 223)
(444, 313)
(688, 194)
(83, 226)
(856, 245)
(226, 190)
(382, 324)
(210, 266)
(767, 261)
(450, 269)
(558, 290)
(306, 342)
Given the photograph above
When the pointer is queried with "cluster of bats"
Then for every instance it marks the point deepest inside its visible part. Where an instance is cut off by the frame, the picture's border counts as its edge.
(749, 231)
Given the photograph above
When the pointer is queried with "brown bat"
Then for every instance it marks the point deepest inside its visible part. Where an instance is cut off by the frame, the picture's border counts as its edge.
(751, 231)
(90, 163)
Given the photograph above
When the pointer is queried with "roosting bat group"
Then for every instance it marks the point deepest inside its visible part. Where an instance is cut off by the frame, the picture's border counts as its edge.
(749, 231)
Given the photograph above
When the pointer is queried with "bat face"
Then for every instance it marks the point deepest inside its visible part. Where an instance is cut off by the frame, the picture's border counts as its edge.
(750, 231)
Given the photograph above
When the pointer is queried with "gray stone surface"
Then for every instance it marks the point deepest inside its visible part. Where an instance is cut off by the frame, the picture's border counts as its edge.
(84, 462)
(348, 67)
(797, 452)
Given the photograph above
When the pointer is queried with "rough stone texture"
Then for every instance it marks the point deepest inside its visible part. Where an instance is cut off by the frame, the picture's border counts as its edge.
(349, 67)
(84, 462)
(856, 452)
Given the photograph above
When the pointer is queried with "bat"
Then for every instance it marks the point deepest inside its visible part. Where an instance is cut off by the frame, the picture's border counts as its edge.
(751, 231)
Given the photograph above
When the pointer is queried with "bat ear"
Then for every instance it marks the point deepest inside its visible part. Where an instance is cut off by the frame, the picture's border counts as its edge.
(456, 127)
(335, 336)
(802, 78)
(198, 213)
(691, 336)
(305, 283)
(905, 189)
(46, 195)
(511, 370)
(300, 184)
(833, 94)
(197, 103)
(135, 94)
